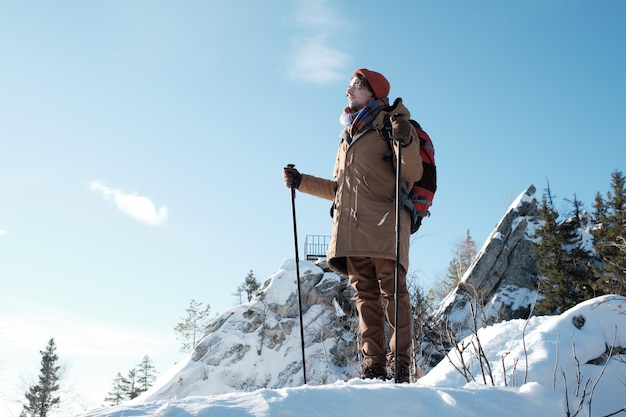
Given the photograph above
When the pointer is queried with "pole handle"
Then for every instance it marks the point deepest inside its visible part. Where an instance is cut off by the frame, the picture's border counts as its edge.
(293, 190)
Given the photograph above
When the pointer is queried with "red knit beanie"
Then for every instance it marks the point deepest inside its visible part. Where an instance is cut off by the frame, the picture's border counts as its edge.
(376, 80)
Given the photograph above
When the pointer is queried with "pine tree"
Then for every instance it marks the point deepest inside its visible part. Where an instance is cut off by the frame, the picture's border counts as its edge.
(610, 215)
(146, 375)
(463, 258)
(138, 381)
(192, 326)
(583, 256)
(562, 261)
(550, 255)
(120, 390)
(250, 287)
(133, 390)
(42, 398)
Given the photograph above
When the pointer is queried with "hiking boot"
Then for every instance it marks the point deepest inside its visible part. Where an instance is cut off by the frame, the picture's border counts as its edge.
(404, 372)
(374, 371)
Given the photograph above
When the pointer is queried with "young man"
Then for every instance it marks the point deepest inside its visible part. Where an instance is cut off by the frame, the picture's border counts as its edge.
(363, 239)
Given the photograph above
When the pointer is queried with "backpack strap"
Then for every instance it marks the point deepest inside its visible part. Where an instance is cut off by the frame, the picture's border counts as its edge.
(385, 132)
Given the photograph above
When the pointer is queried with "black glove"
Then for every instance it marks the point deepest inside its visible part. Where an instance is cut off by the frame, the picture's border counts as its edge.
(292, 177)
(401, 129)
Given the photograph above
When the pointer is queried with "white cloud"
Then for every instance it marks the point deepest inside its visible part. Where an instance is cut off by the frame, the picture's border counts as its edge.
(138, 207)
(313, 58)
(314, 61)
(3, 232)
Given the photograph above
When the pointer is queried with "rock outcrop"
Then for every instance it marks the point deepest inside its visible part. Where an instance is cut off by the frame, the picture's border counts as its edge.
(258, 344)
(501, 283)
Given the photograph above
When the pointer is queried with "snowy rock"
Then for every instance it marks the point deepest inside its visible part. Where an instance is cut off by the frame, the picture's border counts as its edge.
(258, 344)
(503, 276)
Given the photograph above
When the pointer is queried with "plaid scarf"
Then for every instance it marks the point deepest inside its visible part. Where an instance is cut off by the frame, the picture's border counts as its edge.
(362, 120)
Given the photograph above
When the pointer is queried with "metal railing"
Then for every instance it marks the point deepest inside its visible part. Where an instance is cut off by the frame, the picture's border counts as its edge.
(315, 246)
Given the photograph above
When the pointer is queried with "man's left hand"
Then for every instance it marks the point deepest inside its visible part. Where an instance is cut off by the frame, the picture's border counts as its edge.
(401, 130)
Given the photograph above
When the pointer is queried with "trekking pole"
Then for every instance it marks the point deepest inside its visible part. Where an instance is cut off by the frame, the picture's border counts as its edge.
(397, 271)
(295, 239)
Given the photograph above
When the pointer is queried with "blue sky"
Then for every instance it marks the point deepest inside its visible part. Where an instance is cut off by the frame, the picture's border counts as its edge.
(142, 142)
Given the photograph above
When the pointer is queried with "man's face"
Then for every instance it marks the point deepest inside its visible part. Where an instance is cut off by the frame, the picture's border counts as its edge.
(358, 94)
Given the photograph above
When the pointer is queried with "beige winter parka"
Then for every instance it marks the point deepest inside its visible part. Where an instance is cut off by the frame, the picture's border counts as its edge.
(363, 193)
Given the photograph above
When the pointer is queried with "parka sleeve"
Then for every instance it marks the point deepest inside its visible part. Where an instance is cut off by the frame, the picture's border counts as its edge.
(318, 187)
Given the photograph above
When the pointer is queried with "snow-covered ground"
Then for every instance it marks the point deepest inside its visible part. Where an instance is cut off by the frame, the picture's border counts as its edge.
(541, 367)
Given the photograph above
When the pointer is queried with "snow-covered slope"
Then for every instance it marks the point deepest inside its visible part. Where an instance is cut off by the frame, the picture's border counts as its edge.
(548, 353)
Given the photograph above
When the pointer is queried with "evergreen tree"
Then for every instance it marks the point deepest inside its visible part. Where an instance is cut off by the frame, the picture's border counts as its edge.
(120, 390)
(42, 398)
(579, 260)
(465, 252)
(550, 254)
(250, 287)
(146, 375)
(562, 261)
(440, 289)
(138, 381)
(578, 214)
(193, 325)
(132, 390)
(610, 215)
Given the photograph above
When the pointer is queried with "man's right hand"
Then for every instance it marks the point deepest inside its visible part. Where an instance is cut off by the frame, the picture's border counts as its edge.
(292, 177)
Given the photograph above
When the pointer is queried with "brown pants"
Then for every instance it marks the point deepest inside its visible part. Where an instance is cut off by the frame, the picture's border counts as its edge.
(374, 282)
